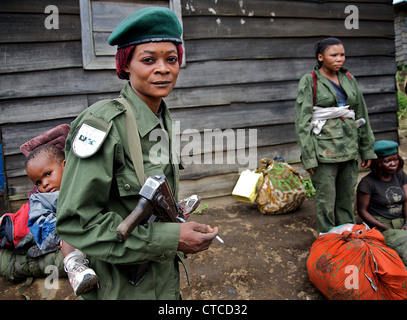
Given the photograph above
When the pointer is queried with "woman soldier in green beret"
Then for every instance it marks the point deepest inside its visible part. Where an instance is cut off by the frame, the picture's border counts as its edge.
(100, 186)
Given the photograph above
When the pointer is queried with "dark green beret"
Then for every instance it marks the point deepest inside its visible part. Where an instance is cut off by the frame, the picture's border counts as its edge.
(151, 24)
(385, 148)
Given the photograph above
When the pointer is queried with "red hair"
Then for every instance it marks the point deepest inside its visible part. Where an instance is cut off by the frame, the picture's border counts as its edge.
(124, 55)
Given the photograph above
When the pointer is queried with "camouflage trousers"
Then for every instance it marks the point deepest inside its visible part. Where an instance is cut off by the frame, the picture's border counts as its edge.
(335, 185)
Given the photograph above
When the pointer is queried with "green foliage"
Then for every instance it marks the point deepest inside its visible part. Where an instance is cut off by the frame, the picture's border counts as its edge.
(401, 77)
(205, 207)
(402, 100)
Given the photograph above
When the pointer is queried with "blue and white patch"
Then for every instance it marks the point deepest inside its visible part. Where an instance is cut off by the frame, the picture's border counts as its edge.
(87, 141)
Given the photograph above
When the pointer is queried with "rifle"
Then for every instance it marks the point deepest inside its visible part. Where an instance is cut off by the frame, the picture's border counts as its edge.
(155, 195)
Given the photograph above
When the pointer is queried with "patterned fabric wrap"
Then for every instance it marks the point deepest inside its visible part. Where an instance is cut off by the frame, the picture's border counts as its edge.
(357, 265)
(282, 190)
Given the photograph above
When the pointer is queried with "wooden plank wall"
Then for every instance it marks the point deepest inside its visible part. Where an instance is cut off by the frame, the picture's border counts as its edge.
(244, 60)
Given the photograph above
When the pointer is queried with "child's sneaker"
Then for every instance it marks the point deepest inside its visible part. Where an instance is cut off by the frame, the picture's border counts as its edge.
(81, 277)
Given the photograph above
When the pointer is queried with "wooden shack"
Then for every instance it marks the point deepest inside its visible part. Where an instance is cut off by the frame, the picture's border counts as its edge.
(237, 89)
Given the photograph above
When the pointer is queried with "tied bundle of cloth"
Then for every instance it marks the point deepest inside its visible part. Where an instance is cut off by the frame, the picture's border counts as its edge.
(282, 190)
(352, 262)
(321, 115)
(275, 187)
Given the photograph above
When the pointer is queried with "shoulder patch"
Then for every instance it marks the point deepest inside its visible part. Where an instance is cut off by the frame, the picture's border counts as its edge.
(90, 137)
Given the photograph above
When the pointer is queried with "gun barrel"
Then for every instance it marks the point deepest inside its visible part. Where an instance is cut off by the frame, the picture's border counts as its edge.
(143, 210)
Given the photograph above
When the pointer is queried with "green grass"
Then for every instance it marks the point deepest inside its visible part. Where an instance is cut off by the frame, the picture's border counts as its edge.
(401, 77)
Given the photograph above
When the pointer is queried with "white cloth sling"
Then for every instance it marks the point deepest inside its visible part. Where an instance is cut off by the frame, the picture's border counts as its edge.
(321, 115)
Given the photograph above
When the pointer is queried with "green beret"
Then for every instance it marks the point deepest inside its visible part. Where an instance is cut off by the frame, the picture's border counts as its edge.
(385, 148)
(150, 24)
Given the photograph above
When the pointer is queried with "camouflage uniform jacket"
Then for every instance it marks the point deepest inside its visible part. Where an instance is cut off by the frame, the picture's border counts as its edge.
(340, 140)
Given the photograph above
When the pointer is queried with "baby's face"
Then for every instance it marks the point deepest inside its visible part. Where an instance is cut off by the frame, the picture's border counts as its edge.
(45, 173)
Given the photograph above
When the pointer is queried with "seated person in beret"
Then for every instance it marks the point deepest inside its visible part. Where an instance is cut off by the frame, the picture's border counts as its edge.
(381, 195)
(101, 183)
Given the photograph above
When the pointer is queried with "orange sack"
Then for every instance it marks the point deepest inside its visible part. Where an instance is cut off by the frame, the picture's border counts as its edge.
(356, 265)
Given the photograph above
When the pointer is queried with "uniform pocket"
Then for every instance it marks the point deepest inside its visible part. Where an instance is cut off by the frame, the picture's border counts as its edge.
(128, 183)
(338, 141)
(331, 130)
(323, 100)
(330, 142)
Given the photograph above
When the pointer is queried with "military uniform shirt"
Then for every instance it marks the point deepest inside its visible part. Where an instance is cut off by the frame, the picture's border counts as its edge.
(100, 190)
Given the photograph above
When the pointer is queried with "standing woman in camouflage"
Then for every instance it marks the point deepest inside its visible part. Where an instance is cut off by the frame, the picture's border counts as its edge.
(333, 129)
(100, 186)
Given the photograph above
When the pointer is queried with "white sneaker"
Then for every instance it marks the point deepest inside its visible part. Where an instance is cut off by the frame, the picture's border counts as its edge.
(81, 277)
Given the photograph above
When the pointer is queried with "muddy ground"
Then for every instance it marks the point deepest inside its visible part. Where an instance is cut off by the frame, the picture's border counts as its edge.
(263, 257)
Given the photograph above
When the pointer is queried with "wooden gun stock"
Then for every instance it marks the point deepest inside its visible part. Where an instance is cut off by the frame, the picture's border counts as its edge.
(155, 194)
(142, 211)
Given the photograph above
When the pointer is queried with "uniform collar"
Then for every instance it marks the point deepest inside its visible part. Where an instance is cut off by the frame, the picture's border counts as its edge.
(146, 119)
(342, 79)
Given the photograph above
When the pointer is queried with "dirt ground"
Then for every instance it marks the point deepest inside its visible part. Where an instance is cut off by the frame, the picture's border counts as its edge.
(263, 256)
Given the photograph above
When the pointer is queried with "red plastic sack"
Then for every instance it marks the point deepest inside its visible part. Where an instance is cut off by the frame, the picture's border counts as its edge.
(14, 231)
(357, 265)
